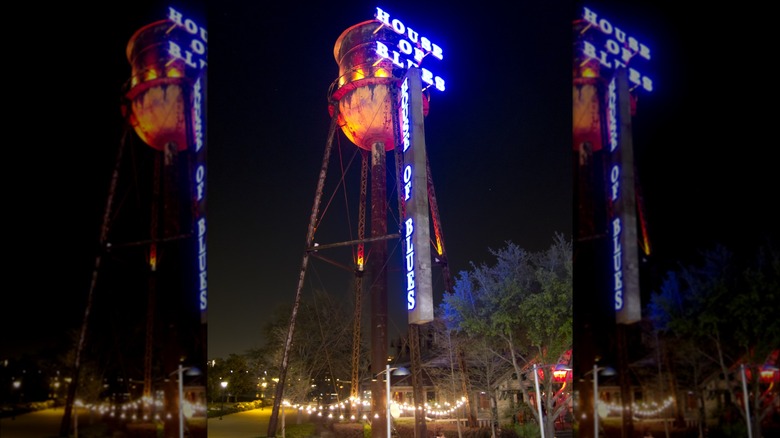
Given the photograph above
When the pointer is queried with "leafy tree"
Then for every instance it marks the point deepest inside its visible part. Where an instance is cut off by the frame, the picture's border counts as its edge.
(524, 302)
(236, 371)
(723, 312)
(321, 350)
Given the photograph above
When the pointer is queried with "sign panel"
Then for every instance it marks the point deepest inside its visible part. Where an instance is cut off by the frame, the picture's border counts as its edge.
(623, 223)
(416, 222)
(194, 56)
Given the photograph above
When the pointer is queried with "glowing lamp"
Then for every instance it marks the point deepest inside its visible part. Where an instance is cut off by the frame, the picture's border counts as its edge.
(157, 97)
(363, 91)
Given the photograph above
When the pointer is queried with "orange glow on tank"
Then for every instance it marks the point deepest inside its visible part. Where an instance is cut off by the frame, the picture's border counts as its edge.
(381, 73)
(358, 75)
(588, 72)
(153, 257)
(174, 72)
(364, 89)
(150, 75)
(158, 99)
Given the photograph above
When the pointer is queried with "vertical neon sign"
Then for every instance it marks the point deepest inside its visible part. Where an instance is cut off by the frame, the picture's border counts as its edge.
(416, 225)
(194, 56)
(624, 248)
(613, 48)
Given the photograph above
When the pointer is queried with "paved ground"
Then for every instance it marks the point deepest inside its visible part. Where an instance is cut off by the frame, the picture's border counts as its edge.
(46, 424)
(39, 424)
(247, 424)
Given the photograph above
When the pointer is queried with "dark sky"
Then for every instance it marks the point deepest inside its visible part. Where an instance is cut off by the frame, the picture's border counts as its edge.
(498, 141)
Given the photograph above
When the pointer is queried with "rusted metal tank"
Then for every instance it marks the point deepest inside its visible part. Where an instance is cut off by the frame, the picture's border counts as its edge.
(159, 87)
(363, 90)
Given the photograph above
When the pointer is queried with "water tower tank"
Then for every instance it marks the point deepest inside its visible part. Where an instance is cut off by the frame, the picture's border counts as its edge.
(158, 84)
(363, 90)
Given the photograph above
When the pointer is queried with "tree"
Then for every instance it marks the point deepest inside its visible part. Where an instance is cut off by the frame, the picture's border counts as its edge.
(523, 301)
(723, 310)
(321, 349)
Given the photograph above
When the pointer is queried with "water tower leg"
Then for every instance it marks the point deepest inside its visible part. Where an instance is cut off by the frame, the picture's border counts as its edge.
(378, 269)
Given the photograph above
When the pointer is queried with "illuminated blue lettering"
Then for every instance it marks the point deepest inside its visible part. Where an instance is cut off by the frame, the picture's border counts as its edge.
(619, 51)
(409, 227)
(647, 83)
(617, 263)
(612, 47)
(613, 134)
(426, 76)
(175, 16)
(203, 283)
(197, 116)
(175, 51)
(418, 48)
(620, 35)
(197, 46)
(398, 27)
(405, 128)
(407, 182)
(382, 16)
(590, 16)
(439, 83)
(414, 36)
(614, 177)
(382, 50)
(410, 293)
(410, 280)
(405, 47)
(200, 182)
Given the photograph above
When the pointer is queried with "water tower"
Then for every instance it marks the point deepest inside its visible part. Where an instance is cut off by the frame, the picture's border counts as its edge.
(378, 101)
(162, 235)
(166, 108)
(157, 100)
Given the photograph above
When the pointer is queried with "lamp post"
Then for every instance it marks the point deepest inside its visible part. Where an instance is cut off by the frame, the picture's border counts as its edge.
(607, 372)
(181, 402)
(191, 371)
(223, 384)
(538, 401)
(558, 367)
(747, 401)
(398, 371)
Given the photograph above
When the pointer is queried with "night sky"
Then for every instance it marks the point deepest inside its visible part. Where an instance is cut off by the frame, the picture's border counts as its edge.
(498, 140)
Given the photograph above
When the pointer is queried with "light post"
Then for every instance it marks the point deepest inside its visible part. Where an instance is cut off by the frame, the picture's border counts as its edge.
(607, 371)
(538, 401)
(191, 371)
(558, 367)
(398, 371)
(223, 384)
(747, 401)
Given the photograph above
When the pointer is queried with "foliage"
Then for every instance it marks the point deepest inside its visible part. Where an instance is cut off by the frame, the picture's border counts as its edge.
(235, 370)
(321, 349)
(526, 430)
(721, 311)
(303, 430)
(520, 308)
